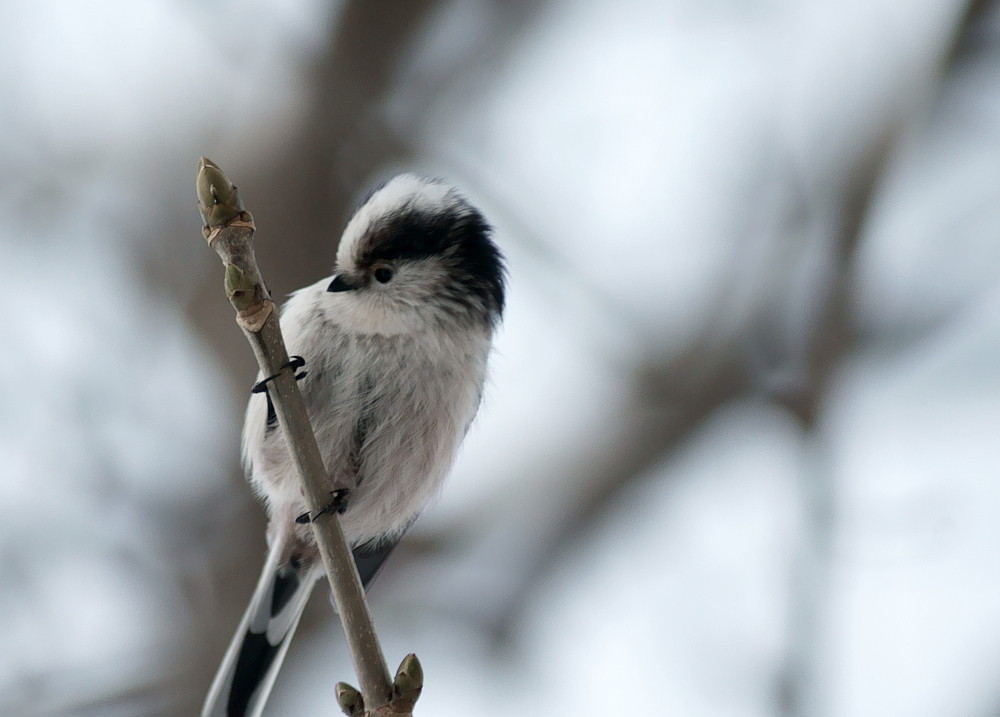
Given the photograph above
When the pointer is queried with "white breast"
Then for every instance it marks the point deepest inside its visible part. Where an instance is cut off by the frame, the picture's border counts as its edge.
(410, 387)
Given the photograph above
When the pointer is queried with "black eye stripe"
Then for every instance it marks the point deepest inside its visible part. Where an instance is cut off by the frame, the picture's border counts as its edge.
(456, 235)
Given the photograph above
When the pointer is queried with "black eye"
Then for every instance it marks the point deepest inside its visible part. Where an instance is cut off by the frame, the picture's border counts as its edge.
(383, 275)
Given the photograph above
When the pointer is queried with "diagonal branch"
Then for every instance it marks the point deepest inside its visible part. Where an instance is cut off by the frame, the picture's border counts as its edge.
(229, 230)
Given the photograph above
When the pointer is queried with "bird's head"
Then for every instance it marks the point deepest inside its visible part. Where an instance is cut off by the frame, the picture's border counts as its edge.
(417, 244)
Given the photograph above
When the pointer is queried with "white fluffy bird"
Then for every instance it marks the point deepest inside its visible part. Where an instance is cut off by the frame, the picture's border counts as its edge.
(396, 344)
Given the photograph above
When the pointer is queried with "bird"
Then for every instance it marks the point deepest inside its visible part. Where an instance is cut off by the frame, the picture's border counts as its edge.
(396, 344)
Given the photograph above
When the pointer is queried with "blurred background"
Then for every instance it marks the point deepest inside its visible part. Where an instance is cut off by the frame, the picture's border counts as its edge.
(738, 455)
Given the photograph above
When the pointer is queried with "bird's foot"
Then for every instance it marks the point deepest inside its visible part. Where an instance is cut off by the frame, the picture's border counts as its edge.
(337, 504)
(295, 363)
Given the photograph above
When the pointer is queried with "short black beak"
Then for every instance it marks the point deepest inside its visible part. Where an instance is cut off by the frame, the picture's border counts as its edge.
(339, 284)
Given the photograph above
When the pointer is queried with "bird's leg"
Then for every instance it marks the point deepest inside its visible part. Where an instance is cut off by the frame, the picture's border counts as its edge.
(295, 363)
(337, 504)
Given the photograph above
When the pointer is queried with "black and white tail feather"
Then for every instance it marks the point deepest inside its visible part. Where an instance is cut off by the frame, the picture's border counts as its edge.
(395, 344)
(251, 664)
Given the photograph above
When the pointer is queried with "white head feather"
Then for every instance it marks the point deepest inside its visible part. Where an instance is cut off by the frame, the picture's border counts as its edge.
(404, 191)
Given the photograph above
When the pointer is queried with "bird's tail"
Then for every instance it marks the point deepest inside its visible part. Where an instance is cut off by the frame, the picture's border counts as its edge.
(246, 675)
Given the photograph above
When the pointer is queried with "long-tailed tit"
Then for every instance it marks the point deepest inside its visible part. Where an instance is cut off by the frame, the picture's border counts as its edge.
(395, 344)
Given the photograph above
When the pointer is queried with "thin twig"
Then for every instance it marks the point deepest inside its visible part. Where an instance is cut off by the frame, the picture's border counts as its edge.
(229, 230)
